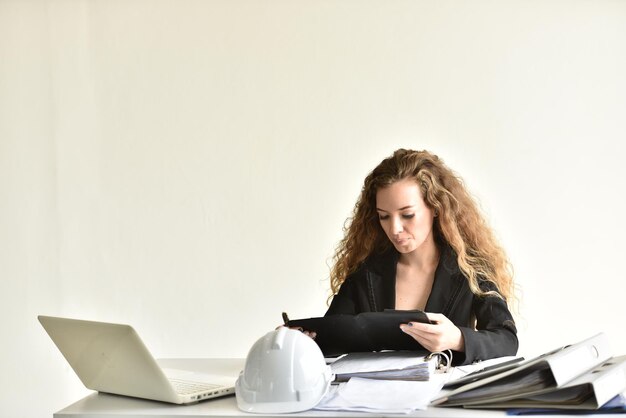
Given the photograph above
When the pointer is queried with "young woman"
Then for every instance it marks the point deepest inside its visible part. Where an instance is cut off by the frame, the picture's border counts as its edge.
(416, 240)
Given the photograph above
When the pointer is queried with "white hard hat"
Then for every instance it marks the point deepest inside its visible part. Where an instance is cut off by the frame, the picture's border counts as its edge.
(285, 372)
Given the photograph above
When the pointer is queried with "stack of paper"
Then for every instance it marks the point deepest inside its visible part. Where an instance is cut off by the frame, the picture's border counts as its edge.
(390, 365)
(383, 382)
(381, 396)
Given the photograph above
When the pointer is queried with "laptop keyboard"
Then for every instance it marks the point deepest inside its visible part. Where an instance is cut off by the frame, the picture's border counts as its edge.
(185, 387)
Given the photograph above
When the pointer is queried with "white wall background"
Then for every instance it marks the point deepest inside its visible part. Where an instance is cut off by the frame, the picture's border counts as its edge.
(187, 166)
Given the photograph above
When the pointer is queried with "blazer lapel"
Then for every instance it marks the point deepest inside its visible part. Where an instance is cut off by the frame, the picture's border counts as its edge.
(447, 284)
(381, 281)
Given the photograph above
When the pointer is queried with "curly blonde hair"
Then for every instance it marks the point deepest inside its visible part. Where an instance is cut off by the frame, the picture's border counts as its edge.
(459, 223)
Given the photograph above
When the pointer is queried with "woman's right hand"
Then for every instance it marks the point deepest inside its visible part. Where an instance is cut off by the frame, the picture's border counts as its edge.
(311, 334)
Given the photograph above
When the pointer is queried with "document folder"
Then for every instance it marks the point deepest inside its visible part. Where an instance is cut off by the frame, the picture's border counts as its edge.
(538, 376)
(589, 391)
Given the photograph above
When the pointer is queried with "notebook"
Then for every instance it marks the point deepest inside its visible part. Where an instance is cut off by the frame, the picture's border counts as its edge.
(112, 358)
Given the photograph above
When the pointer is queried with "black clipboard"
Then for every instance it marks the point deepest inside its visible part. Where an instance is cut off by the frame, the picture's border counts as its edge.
(367, 331)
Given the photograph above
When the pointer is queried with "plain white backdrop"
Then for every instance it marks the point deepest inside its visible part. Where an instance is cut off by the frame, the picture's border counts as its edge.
(187, 166)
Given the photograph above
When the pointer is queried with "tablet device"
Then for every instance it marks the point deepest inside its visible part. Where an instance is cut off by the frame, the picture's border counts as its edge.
(367, 331)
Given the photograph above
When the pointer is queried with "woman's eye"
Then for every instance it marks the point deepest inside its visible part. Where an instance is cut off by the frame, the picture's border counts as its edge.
(383, 217)
(408, 215)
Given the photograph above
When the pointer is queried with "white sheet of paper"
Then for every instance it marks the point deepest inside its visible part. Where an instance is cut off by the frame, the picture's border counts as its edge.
(461, 371)
(390, 396)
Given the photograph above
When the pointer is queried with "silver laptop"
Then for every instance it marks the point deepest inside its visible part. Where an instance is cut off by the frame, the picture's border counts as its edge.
(112, 358)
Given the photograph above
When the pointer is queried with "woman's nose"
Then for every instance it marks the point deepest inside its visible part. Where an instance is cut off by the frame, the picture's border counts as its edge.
(396, 226)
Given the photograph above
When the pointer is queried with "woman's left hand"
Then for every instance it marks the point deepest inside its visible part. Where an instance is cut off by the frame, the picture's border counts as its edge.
(439, 336)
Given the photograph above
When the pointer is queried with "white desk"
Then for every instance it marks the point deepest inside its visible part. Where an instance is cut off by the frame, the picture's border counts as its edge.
(99, 405)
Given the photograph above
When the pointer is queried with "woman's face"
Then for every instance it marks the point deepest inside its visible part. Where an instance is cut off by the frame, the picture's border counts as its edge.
(404, 216)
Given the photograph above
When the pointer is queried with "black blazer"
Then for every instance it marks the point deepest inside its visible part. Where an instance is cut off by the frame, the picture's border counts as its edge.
(485, 322)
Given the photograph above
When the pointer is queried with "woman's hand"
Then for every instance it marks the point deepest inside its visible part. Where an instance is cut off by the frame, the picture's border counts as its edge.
(311, 334)
(442, 335)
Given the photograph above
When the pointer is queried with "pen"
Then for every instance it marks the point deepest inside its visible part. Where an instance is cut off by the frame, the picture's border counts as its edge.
(285, 319)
